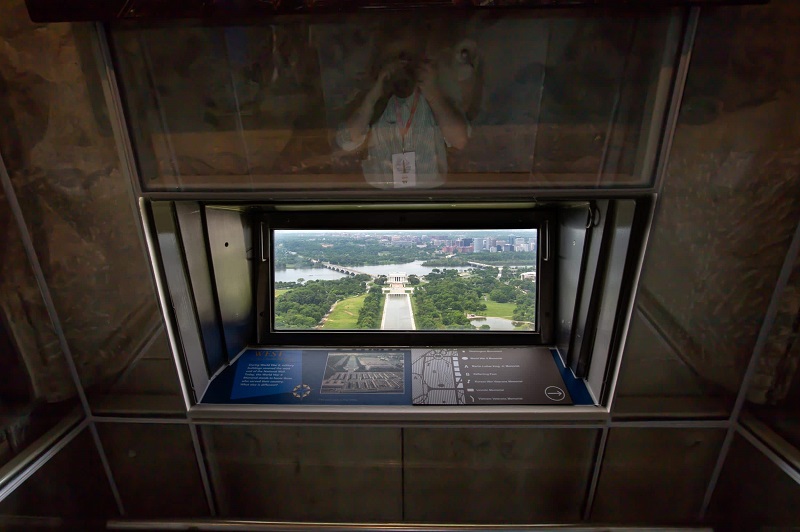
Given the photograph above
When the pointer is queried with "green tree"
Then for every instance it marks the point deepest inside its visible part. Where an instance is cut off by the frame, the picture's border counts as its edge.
(503, 294)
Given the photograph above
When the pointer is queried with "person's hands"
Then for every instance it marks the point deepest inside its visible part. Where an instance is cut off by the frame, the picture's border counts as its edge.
(426, 80)
(384, 76)
(388, 71)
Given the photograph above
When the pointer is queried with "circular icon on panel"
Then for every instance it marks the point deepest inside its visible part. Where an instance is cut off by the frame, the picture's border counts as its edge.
(301, 391)
(554, 393)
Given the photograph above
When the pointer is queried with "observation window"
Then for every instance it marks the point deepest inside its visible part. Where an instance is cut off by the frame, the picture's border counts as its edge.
(456, 276)
(392, 104)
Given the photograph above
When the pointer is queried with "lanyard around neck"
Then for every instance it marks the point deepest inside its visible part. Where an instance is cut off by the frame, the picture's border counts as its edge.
(404, 130)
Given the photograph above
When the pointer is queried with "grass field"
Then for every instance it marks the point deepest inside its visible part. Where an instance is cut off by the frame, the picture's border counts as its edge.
(499, 310)
(280, 291)
(345, 313)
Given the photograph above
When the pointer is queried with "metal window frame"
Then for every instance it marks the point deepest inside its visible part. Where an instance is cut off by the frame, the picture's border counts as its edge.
(540, 218)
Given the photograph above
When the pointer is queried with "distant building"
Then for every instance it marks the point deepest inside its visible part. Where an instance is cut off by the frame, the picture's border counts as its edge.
(397, 284)
(400, 278)
(528, 276)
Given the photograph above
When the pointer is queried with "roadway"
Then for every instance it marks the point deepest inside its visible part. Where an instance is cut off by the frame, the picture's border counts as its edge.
(397, 313)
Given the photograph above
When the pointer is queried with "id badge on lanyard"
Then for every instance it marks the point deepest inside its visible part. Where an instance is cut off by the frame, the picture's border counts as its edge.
(404, 165)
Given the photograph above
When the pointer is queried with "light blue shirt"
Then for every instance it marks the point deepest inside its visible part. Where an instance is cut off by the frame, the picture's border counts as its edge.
(424, 138)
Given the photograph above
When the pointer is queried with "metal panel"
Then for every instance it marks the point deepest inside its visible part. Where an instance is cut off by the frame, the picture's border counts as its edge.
(181, 296)
(572, 238)
(480, 475)
(594, 267)
(655, 475)
(139, 454)
(71, 485)
(230, 243)
(190, 222)
(306, 473)
(610, 297)
(753, 493)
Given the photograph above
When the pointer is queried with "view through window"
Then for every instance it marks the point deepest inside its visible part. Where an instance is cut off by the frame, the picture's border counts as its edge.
(475, 280)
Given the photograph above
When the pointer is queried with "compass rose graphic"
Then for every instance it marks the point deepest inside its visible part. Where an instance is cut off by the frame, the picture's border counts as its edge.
(301, 391)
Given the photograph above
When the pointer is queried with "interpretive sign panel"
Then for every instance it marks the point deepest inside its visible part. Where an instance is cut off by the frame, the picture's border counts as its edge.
(486, 376)
(391, 376)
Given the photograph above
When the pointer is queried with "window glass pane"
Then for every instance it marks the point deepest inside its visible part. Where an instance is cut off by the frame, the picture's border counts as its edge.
(481, 280)
(36, 389)
(774, 393)
(725, 221)
(753, 493)
(57, 145)
(477, 100)
(71, 490)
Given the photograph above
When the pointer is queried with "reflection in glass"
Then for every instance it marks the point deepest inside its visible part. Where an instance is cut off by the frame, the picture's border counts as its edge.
(344, 102)
(55, 139)
(36, 389)
(71, 486)
(406, 280)
(725, 221)
(753, 493)
(774, 393)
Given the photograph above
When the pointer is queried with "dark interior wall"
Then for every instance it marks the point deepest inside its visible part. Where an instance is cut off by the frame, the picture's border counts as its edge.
(726, 215)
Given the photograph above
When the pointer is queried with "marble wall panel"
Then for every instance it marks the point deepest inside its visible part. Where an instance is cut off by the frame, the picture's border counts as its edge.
(57, 144)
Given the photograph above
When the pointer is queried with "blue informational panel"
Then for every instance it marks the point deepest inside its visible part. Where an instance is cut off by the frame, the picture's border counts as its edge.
(396, 376)
(316, 376)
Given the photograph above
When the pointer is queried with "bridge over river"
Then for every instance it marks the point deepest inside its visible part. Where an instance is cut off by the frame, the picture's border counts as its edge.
(345, 269)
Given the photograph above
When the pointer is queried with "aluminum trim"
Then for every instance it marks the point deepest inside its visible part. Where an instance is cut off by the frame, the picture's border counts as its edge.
(681, 74)
(181, 299)
(397, 415)
(198, 451)
(155, 266)
(338, 196)
(620, 351)
(279, 526)
(782, 449)
(39, 452)
(116, 113)
(660, 104)
(112, 484)
(595, 480)
(785, 466)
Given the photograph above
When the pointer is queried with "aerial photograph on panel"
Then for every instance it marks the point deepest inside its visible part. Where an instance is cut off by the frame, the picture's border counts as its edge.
(377, 372)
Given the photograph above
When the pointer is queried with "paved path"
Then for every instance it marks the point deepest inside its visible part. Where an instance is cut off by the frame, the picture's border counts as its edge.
(397, 313)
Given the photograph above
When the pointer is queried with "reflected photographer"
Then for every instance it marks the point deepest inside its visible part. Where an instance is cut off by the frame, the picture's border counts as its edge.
(405, 119)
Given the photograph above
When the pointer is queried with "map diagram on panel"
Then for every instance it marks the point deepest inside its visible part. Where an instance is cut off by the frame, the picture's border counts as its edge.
(377, 372)
(436, 377)
(486, 376)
